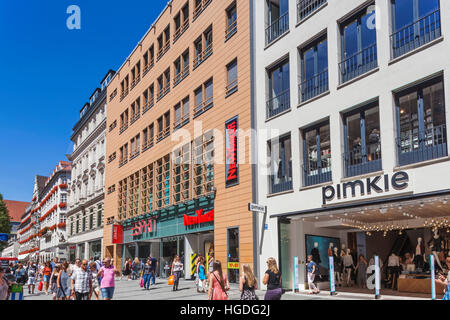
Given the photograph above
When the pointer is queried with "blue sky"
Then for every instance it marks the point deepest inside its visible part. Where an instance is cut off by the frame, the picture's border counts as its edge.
(49, 72)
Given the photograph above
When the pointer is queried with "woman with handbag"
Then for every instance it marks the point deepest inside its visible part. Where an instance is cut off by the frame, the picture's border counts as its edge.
(218, 283)
(63, 291)
(176, 270)
(272, 279)
(248, 284)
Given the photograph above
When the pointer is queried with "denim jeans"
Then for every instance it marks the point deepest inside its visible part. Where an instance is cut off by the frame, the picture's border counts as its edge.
(147, 280)
(152, 277)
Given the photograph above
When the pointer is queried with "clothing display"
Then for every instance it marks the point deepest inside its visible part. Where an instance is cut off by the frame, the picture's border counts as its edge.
(437, 243)
(393, 261)
(348, 261)
(337, 263)
(316, 255)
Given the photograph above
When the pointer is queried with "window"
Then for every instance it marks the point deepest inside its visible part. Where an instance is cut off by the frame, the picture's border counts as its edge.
(280, 155)
(421, 125)
(181, 113)
(64, 198)
(232, 76)
(362, 141)
(163, 84)
(181, 22)
(279, 93)
(147, 189)
(180, 174)
(71, 226)
(124, 86)
(314, 69)
(133, 195)
(91, 219)
(181, 68)
(162, 182)
(149, 98)
(122, 199)
(99, 215)
(205, 41)
(199, 7)
(316, 155)
(123, 155)
(163, 43)
(135, 111)
(204, 98)
(233, 253)
(135, 75)
(277, 19)
(359, 45)
(149, 60)
(135, 145)
(163, 126)
(414, 23)
(83, 223)
(231, 21)
(124, 121)
(203, 171)
(305, 8)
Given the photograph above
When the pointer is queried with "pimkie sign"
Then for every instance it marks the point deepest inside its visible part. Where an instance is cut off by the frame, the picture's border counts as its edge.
(200, 218)
(231, 152)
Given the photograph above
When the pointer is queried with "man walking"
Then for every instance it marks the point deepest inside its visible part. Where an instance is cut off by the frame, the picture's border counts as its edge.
(154, 264)
(82, 282)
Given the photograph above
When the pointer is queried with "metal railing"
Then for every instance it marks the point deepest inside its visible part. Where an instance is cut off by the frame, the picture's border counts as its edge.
(231, 30)
(279, 104)
(203, 55)
(307, 7)
(416, 34)
(359, 161)
(181, 75)
(359, 63)
(203, 106)
(284, 184)
(313, 86)
(417, 146)
(313, 176)
(231, 87)
(277, 28)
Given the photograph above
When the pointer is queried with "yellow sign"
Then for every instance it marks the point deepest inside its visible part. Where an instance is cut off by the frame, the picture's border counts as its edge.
(233, 265)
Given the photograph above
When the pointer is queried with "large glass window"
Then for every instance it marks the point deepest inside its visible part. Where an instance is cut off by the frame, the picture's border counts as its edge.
(363, 145)
(359, 45)
(233, 265)
(280, 154)
(279, 93)
(277, 19)
(421, 123)
(317, 155)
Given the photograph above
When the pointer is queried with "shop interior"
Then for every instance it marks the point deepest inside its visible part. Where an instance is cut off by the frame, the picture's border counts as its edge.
(402, 234)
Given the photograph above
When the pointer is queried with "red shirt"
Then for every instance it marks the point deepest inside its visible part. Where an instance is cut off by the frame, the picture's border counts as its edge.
(47, 271)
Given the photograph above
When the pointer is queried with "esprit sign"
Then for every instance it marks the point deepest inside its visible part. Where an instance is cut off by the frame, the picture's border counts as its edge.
(143, 226)
(365, 187)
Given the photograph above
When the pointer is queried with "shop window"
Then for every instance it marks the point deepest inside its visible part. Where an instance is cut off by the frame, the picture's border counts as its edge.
(362, 144)
(314, 74)
(280, 154)
(316, 155)
(233, 261)
(277, 19)
(421, 125)
(358, 45)
(415, 23)
(278, 99)
(147, 189)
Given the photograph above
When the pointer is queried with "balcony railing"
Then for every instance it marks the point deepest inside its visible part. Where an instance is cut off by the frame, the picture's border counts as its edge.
(123, 94)
(162, 92)
(418, 146)
(277, 28)
(181, 75)
(231, 87)
(203, 56)
(135, 117)
(416, 34)
(307, 7)
(203, 106)
(359, 63)
(123, 127)
(180, 30)
(147, 106)
(162, 134)
(148, 144)
(135, 81)
(313, 176)
(163, 50)
(231, 30)
(122, 162)
(181, 122)
(200, 7)
(313, 86)
(279, 104)
(282, 185)
(134, 154)
(359, 161)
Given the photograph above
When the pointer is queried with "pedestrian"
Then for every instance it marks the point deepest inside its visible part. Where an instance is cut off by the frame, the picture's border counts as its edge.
(46, 276)
(361, 272)
(63, 292)
(20, 274)
(82, 282)
(95, 283)
(126, 269)
(248, 284)
(75, 267)
(54, 263)
(154, 264)
(201, 275)
(32, 273)
(4, 286)
(176, 270)
(445, 280)
(135, 266)
(218, 283)
(272, 278)
(311, 268)
(107, 284)
(147, 270)
(54, 280)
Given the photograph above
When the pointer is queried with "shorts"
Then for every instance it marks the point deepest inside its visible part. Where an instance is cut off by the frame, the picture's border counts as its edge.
(31, 281)
(107, 293)
(46, 279)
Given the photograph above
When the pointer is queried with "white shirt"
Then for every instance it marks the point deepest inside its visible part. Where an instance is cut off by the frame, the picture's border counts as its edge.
(348, 260)
(393, 261)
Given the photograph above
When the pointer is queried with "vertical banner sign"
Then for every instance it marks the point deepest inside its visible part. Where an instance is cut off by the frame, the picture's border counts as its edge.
(295, 274)
(433, 283)
(377, 277)
(332, 283)
(117, 234)
(231, 152)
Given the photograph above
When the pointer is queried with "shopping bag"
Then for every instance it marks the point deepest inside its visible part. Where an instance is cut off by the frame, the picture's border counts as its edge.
(41, 285)
(142, 282)
(171, 280)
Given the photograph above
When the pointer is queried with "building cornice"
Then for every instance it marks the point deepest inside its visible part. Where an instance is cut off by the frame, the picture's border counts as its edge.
(87, 204)
(83, 146)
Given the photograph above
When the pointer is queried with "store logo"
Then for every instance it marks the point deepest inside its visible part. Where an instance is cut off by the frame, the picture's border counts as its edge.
(377, 185)
(143, 226)
(200, 218)
(231, 150)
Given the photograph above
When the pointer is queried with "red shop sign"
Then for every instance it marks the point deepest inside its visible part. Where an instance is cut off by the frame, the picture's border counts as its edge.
(200, 218)
(142, 226)
(231, 152)
(117, 234)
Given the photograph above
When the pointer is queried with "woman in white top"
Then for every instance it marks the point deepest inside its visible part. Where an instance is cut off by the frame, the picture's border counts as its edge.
(176, 270)
(95, 285)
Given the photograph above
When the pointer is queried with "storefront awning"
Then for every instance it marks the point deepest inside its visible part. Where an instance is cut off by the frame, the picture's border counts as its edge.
(23, 256)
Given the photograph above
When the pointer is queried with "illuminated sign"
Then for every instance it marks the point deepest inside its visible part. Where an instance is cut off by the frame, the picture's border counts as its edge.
(143, 226)
(117, 234)
(231, 152)
(200, 218)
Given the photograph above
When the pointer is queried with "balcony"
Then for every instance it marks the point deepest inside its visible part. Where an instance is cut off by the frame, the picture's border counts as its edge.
(359, 63)
(279, 104)
(314, 176)
(135, 81)
(201, 57)
(122, 162)
(123, 127)
(231, 30)
(277, 28)
(180, 30)
(282, 185)
(134, 154)
(148, 105)
(180, 76)
(199, 8)
(305, 8)
(163, 50)
(147, 68)
(360, 161)
(181, 122)
(123, 94)
(418, 146)
(313, 86)
(147, 144)
(203, 106)
(162, 134)
(135, 117)
(162, 92)
(416, 34)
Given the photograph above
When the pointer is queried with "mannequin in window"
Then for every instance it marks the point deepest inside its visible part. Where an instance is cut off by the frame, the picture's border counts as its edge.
(343, 251)
(374, 139)
(393, 269)
(420, 251)
(348, 266)
(330, 249)
(315, 253)
(337, 259)
(435, 244)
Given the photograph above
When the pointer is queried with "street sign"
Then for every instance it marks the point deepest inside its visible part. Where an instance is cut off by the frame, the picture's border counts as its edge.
(4, 237)
(257, 208)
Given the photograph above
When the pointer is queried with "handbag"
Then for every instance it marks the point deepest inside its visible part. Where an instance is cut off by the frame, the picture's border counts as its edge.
(171, 280)
(142, 282)
(40, 286)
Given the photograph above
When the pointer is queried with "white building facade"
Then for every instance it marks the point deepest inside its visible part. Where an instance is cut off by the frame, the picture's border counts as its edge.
(86, 196)
(354, 97)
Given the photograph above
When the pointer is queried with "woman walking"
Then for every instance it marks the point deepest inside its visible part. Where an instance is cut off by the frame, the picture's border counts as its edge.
(146, 273)
(107, 285)
(311, 268)
(46, 272)
(201, 275)
(361, 272)
(248, 284)
(4, 285)
(95, 283)
(135, 268)
(20, 274)
(127, 269)
(218, 283)
(32, 274)
(176, 270)
(63, 291)
(54, 280)
(272, 278)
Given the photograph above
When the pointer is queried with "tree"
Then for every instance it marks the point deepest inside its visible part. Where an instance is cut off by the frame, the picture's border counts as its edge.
(5, 221)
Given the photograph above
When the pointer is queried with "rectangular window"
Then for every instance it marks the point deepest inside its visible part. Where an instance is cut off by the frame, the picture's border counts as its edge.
(232, 76)
(316, 155)
(277, 19)
(279, 92)
(280, 154)
(231, 21)
(122, 199)
(305, 8)
(147, 189)
(359, 45)
(91, 220)
(205, 41)
(203, 166)
(362, 145)
(133, 194)
(233, 261)
(422, 132)
(314, 74)
(415, 23)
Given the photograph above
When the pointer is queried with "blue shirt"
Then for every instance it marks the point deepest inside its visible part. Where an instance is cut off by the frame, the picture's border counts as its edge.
(153, 261)
(310, 266)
